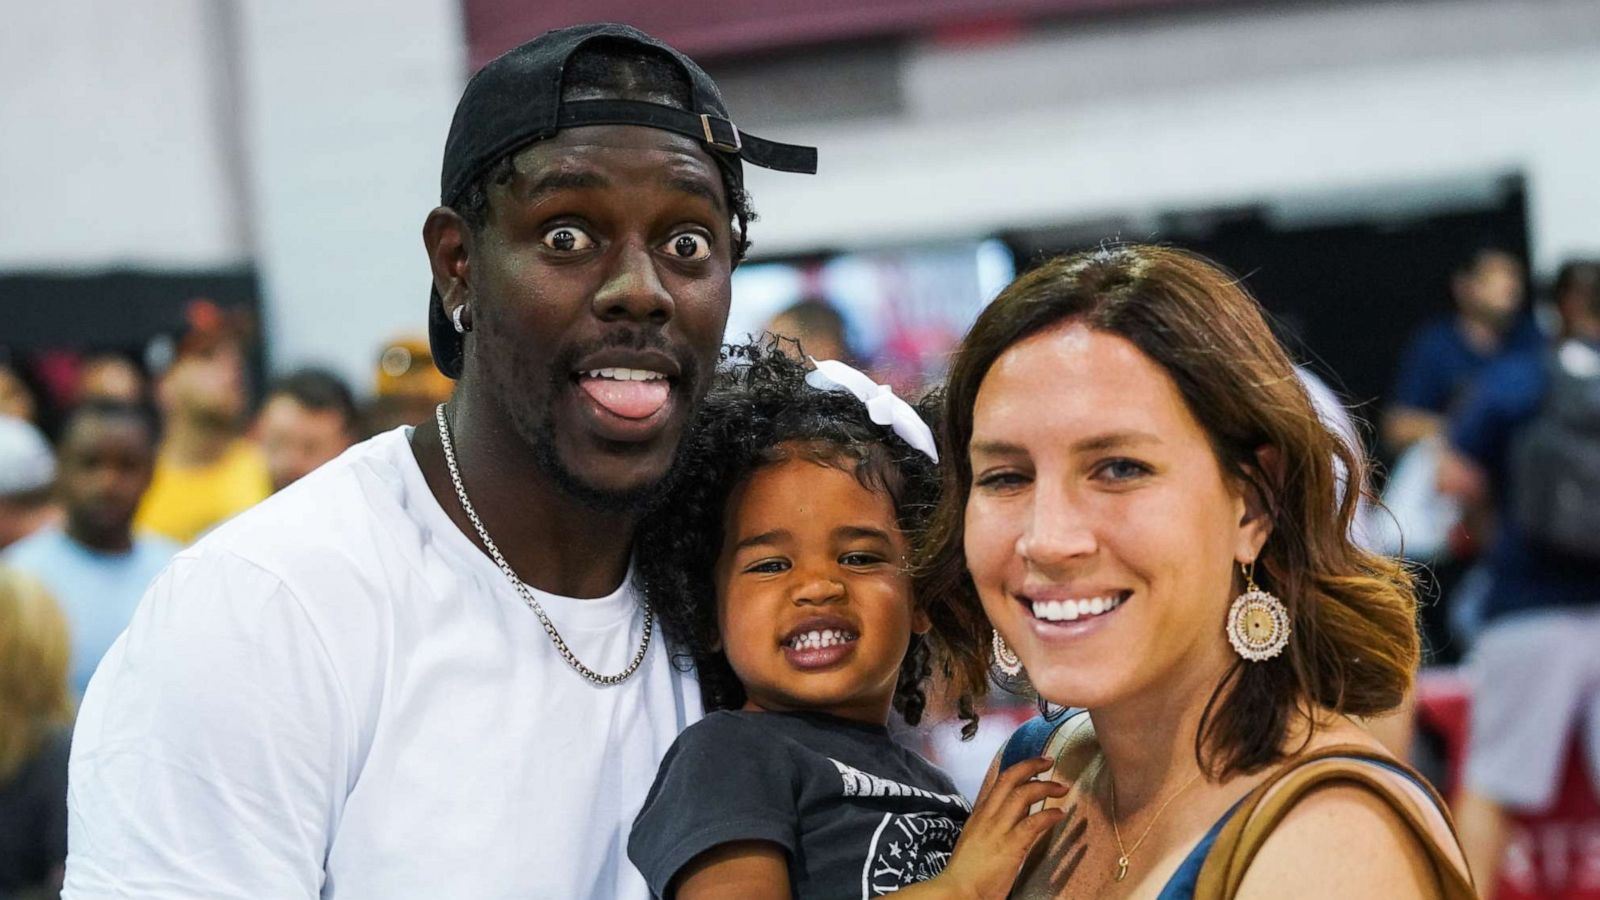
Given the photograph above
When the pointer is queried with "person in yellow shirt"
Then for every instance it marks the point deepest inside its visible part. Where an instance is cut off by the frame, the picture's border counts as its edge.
(206, 471)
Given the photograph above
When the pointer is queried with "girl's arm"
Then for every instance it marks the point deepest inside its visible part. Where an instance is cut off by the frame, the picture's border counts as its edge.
(740, 870)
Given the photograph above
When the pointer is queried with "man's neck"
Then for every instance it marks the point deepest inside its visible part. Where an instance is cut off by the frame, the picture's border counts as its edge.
(115, 543)
(191, 443)
(551, 540)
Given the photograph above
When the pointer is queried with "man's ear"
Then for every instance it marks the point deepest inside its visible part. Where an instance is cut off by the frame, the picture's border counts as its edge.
(1259, 490)
(448, 240)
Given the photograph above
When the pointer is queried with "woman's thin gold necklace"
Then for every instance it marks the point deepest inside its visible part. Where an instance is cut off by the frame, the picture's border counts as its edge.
(1122, 858)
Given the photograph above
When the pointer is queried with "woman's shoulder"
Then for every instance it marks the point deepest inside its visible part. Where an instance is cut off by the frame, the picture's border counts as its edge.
(1332, 826)
(1344, 797)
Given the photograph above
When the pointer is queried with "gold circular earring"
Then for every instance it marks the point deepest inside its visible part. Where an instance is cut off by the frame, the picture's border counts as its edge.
(1005, 659)
(1258, 622)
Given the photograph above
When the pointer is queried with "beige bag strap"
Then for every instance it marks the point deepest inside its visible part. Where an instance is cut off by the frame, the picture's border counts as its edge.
(1259, 813)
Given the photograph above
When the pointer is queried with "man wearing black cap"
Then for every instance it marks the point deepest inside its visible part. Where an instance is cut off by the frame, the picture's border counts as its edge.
(422, 670)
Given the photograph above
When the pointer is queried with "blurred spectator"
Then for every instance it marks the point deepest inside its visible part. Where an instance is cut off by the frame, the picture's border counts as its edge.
(111, 376)
(1397, 729)
(27, 475)
(16, 400)
(818, 326)
(94, 565)
(1573, 291)
(35, 730)
(1445, 355)
(1528, 439)
(205, 470)
(308, 419)
(408, 386)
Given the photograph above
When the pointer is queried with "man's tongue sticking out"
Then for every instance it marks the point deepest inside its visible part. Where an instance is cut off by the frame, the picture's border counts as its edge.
(627, 399)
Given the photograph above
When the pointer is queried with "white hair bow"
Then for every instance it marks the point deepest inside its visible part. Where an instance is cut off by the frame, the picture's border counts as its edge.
(883, 407)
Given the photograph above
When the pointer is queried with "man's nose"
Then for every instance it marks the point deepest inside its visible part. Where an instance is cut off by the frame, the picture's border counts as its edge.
(633, 290)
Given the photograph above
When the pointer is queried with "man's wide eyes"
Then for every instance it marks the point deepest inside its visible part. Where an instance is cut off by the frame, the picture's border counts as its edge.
(567, 239)
(689, 246)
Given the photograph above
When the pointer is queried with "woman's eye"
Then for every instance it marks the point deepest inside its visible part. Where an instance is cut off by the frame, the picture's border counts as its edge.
(1001, 480)
(689, 247)
(1123, 469)
(567, 239)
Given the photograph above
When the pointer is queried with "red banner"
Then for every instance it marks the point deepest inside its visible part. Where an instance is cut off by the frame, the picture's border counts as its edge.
(722, 30)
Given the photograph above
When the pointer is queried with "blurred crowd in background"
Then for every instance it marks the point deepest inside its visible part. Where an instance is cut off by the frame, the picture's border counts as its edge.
(1437, 313)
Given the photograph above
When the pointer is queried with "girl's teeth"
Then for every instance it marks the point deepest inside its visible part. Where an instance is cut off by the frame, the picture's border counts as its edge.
(814, 640)
(1072, 610)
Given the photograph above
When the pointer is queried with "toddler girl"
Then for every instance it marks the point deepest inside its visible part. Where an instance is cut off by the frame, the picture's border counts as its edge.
(780, 567)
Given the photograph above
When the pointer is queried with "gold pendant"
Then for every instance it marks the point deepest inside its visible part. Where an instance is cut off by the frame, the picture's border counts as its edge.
(1122, 867)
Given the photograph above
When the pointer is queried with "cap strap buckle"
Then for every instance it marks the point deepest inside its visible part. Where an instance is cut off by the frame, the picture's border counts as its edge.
(723, 144)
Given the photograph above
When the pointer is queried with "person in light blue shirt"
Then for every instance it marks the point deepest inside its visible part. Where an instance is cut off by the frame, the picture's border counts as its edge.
(94, 564)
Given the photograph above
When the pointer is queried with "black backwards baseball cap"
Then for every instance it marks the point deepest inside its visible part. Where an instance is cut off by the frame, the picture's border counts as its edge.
(516, 100)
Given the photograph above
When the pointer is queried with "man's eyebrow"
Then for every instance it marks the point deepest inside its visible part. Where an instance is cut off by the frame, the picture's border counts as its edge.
(698, 188)
(765, 537)
(564, 180)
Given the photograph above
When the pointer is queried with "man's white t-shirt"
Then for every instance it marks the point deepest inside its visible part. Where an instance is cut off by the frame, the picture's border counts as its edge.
(338, 694)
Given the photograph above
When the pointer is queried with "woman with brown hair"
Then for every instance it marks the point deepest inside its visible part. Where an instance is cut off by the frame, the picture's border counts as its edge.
(1141, 499)
(35, 718)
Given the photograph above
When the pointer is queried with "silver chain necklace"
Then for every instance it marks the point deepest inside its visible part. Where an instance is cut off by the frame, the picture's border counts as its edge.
(524, 591)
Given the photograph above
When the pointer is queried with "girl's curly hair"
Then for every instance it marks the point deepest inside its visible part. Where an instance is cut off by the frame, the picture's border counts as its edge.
(760, 411)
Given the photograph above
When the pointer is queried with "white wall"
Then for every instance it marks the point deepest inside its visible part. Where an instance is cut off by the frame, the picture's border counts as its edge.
(306, 138)
(1088, 122)
(347, 105)
(197, 134)
(111, 138)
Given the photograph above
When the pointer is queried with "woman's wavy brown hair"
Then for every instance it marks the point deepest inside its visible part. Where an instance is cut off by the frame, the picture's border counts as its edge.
(34, 653)
(1354, 646)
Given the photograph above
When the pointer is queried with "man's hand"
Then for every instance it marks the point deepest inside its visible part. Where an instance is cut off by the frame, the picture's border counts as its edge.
(1404, 426)
(1461, 478)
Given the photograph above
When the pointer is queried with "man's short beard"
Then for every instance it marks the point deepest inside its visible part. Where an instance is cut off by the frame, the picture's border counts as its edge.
(537, 429)
(542, 440)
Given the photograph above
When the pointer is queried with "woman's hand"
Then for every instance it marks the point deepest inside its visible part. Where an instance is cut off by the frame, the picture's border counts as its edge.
(998, 836)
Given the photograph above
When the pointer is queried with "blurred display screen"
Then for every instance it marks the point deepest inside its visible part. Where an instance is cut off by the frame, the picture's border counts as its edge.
(903, 309)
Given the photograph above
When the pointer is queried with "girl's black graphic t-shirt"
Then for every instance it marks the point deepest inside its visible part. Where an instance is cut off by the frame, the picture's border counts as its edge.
(858, 814)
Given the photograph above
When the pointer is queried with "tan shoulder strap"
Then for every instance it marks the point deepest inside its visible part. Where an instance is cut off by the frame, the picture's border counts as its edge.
(1259, 813)
(1072, 746)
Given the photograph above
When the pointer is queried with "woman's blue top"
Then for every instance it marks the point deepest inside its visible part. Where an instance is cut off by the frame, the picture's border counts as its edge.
(1029, 740)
